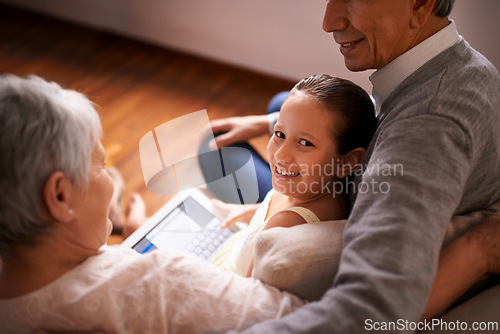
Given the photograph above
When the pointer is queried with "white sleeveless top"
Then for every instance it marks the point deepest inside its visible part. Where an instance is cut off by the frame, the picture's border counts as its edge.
(243, 254)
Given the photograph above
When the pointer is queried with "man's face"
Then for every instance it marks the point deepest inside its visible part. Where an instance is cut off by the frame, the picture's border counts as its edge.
(371, 33)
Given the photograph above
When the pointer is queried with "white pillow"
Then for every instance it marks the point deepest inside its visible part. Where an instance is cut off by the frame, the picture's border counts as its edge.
(302, 259)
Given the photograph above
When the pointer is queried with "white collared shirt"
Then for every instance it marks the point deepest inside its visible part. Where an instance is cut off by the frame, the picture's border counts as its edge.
(386, 79)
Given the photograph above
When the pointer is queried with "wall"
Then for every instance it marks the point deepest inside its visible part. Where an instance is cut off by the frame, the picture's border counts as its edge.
(279, 37)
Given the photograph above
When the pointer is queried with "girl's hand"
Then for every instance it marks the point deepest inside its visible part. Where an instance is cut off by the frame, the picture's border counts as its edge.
(233, 213)
(242, 217)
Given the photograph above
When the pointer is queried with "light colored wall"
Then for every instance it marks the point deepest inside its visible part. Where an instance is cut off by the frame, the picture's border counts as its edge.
(279, 37)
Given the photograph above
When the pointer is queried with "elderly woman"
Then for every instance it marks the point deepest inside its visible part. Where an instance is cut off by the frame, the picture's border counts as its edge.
(56, 273)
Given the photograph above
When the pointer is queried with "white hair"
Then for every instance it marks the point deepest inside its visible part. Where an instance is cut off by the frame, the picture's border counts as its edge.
(43, 129)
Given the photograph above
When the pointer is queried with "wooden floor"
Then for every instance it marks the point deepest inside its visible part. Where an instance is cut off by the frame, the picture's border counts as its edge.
(136, 86)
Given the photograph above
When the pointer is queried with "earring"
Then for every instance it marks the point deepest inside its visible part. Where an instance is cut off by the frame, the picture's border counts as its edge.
(70, 211)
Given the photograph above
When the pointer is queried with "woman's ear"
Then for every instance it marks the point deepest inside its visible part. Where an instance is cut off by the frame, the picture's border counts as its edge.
(57, 194)
(350, 162)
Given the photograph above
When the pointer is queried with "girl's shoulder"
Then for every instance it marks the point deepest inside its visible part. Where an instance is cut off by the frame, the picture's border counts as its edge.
(284, 214)
(285, 218)
(329, 207)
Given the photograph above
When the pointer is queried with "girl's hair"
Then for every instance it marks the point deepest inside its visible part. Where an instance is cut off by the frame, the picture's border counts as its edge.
(43, 129)
(349, 102)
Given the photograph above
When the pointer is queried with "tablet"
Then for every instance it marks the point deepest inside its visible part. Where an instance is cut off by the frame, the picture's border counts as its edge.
(187, 222)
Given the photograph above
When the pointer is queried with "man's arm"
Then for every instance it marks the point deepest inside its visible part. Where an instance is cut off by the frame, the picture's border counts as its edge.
(462, 263)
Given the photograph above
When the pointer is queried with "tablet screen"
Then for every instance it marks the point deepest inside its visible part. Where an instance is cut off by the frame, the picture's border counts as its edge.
(177, 229)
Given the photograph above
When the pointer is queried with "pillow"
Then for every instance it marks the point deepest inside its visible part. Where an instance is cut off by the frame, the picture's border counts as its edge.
(482, 308)
(302, 259)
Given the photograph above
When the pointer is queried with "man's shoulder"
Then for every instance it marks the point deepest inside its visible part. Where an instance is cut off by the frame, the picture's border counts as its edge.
(468, 68)
(455, 84)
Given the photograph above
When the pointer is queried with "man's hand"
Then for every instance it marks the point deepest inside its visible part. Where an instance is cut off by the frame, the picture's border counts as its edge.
(237, 130)
(486, 236)
(462, 262)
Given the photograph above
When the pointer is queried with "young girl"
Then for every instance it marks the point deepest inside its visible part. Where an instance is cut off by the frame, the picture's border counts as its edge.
(323, 130)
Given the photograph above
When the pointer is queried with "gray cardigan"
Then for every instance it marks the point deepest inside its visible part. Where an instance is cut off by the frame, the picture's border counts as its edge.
(436, 153)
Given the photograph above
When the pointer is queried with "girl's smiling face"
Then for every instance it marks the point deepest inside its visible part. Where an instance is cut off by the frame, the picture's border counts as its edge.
(302, 151)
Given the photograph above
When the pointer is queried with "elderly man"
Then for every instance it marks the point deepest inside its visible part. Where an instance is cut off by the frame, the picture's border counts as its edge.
(436, 153)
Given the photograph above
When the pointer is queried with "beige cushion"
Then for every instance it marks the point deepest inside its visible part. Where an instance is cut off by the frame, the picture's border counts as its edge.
(302, 259)
(483, 308)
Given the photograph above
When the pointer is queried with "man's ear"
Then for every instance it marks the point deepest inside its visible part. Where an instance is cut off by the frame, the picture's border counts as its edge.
(350, 162)
(58, 192)
(422, 9)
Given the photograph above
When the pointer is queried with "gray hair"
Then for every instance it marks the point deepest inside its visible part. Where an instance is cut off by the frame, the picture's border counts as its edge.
(43, 129)
(443, 8)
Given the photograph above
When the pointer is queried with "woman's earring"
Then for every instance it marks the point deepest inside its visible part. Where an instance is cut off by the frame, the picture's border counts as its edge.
(70, 211)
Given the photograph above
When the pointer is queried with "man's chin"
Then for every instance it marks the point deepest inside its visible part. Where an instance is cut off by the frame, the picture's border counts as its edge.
(354, 66)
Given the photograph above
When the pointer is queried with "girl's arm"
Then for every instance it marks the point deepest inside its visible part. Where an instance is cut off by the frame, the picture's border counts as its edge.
(462, 263)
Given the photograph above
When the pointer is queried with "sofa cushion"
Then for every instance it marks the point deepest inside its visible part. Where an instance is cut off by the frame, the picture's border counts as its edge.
(302, 259)
(483, 309)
